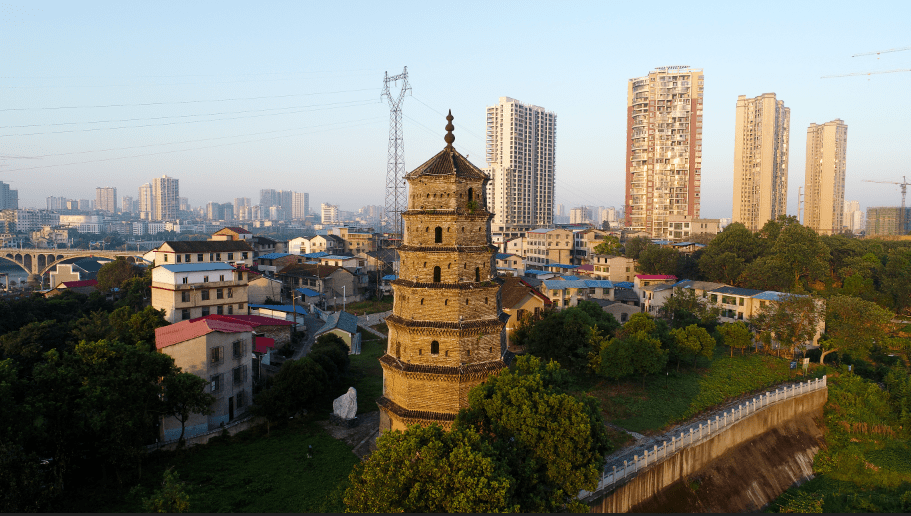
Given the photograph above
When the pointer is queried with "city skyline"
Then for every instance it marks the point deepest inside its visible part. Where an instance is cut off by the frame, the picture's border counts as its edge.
(339, 131)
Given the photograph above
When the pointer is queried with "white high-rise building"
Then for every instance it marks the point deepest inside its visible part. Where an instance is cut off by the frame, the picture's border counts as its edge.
(824, 184)
(329, 213)
(300, 205)
(521, 146)
(166, 194)
(106, 199)
(126, 204)
(853, 218)
(145, 201)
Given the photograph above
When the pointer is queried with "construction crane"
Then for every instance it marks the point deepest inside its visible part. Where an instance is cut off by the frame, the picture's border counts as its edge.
(900, 49)
(901, 214)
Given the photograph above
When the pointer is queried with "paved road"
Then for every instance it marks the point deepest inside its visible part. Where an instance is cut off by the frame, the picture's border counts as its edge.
(366, 321)
(314, 323)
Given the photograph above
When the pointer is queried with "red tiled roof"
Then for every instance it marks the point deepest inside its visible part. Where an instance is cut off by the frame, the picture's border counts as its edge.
(252, 320)
(656, 276)
(239, 231)
(263, 344)
(77, 284)
(186, 330)
(587, 267)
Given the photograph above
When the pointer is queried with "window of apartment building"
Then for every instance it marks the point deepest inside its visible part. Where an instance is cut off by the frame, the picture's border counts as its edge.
(221, 277)
(165, 258)
(184, 314)
(230, 256)
(216, 354)
(241, 398)
(230, 309)
(714, 298)
(198, 257)
(186, 258)
(185, 296)
(216, 383)
(205, 311)
(178, 258)
(217, 257)
(230, 293)
(239, 347)
(240, 374)
(184, 280)
(240, 306)
(205, 279)
(240, 276)
(220, 310)
(741, 301)
(204, 295)
(211, 257)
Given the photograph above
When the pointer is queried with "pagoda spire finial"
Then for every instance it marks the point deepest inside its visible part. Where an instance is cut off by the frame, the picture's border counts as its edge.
(449, 138)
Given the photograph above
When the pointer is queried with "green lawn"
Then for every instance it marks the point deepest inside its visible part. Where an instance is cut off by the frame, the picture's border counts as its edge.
(674, 397)
(249, 472)
(366, 373)
(381, 327)
(370, 307)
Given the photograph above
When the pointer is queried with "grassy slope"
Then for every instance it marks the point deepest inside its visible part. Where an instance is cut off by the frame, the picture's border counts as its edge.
(863, 468)
(675, 397)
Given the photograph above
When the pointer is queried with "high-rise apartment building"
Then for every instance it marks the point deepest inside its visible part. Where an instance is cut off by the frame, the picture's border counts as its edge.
(126, 204)
(146, 199)
(521, 147)
(166, 198)
(300, 205)
(887, 220)
(853, 217)
(9, 199)
(56, 203)
(824, 185)
(761, 135)
(106, 199)
(580, 215)
(329, 213)
(663, 147)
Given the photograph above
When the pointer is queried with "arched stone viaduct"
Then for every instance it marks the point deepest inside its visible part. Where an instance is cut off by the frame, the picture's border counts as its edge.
(40, 261)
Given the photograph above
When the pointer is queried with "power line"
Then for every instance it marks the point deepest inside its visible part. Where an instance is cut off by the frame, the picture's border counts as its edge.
(443, 115)
(188, 101)
(185, 141)
(174, 116)
(882, 51)
(345, 105)
(133, 85)
(431, 131)
(193, 74)
(177, 150)
(865, 73)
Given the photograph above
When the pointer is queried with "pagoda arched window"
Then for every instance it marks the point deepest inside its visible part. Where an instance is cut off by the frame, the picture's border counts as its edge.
(477, 274)
(437, 274)
(438, 235)
(434, 348)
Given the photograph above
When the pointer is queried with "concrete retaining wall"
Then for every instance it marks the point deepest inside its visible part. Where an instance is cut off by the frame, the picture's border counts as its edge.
(747, 464)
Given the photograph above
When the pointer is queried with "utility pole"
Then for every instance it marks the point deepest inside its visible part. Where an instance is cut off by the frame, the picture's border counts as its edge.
(395, 163)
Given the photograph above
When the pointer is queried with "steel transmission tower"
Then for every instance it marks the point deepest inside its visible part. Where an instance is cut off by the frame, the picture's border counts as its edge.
(395, 163)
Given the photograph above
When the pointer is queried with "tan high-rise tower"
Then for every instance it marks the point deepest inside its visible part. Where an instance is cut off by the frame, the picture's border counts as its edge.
(825, 177)
(761, 135)
(444, 331)
(663, 148)
(165, 198)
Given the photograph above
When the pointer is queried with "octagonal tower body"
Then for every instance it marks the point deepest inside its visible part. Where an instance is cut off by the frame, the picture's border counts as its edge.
(444, 332)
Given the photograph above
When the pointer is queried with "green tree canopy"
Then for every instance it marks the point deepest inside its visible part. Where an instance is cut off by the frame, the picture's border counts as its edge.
(793, 321)
(185, 394)
(565, 336)
(736, 335)
(115, 274)
(610, 245)
(728, 254)
(693, 341)
(656, 259)
(854, 326)
(634, 246)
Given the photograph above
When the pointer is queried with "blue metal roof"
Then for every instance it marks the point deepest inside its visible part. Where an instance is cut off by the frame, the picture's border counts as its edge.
(563, 284)
(316, 255)
(341, 320)
(273, 256)
(661, 242)
(535, 272)
(197, 267)
(390, 277)
(307, 292)
(624, 284)
(771, 295)
(503, 256)
(681, 244)
(735, 291)
(282, 308)
(570, 278)
(335, 257)
(561, 265)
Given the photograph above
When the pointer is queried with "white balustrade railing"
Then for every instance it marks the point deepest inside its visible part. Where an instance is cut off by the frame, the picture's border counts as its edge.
(700, 433)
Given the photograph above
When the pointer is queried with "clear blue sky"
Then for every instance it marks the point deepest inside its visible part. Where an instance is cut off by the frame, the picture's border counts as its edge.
(322, 127)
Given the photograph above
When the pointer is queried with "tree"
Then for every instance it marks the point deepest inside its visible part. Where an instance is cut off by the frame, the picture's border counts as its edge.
(656, 259)
(854, 326)
(793, 320)
(115, 274)
(736, 335)
(331, 353)
(804, 254)
(634, 246)
(683, 308)
(296, 385)
(185, 395)
(171, 498)
(728, 254)
(694, 341)
(564, 336)
(646, 355)
(616, 362)
(430, 470)
(522, 445)
(610, 245)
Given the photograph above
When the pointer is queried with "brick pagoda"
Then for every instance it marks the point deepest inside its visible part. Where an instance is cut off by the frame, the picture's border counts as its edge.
(444, 331)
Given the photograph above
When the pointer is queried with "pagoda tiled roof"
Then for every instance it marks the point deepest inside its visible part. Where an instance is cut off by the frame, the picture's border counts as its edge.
(448, 162)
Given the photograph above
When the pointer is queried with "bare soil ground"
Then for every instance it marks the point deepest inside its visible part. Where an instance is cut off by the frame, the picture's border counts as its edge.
(362, 437)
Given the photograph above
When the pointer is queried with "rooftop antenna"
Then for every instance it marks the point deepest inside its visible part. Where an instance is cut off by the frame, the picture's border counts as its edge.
(395, 163)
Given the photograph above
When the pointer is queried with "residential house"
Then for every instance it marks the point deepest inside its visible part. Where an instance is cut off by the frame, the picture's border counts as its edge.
(190, 290)
(519, 298)
(564, 293)
(544, 246)
(219, 351)
(66, 272)
(332, 244)
(262, 288)
(293, 313)
(584, 243)
(299, 245)
(232, 233)
(644, 280)
(343, 325)
(234, 252)
(264, 245)
(736, 304)
(274, 262)
(355, 241)
(683, 227)
(510, 264)
(386, 260)
(336, 285)
(622, 310)
(82, 286)
(515, 246)
(342, 261)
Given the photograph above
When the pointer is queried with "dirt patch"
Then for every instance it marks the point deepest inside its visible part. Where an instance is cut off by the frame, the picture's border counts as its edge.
(360, 437)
